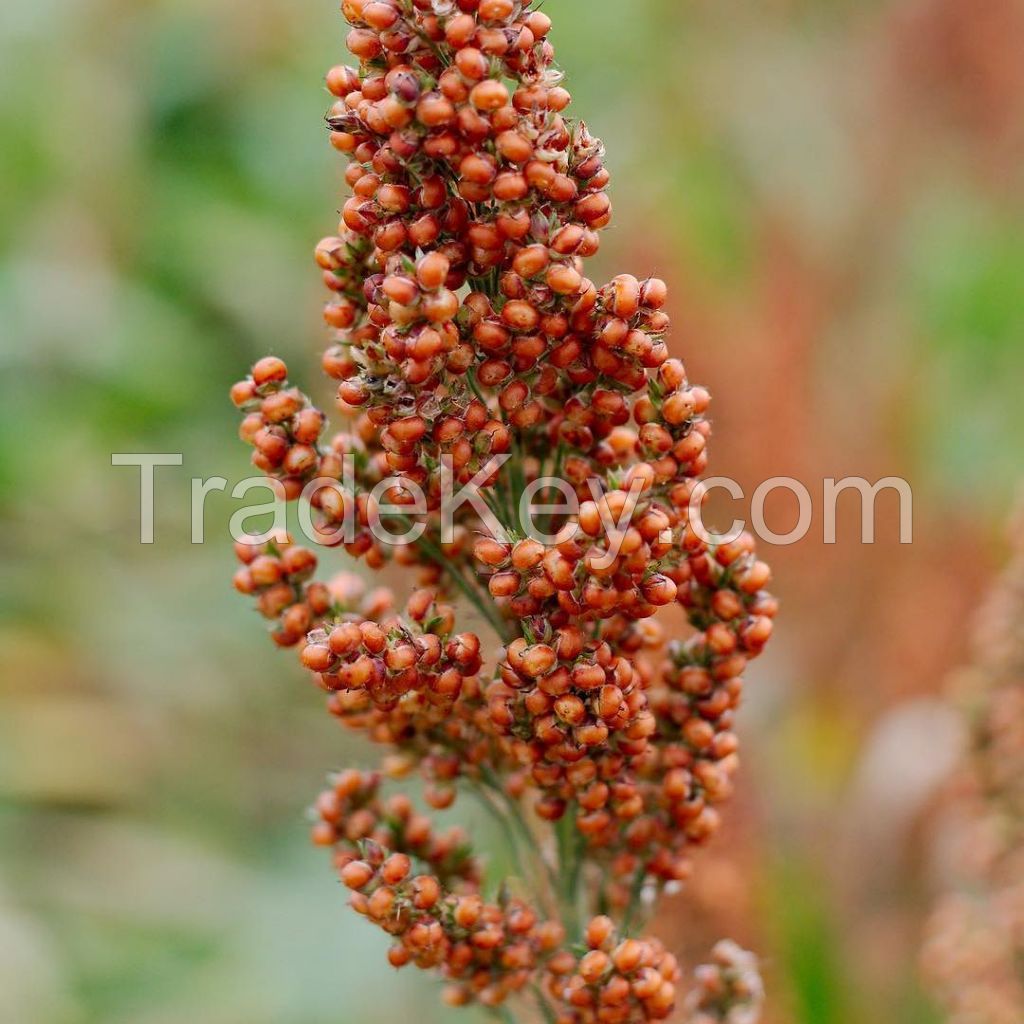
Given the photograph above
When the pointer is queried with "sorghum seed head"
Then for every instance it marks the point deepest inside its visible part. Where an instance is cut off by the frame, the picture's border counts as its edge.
(463, 326)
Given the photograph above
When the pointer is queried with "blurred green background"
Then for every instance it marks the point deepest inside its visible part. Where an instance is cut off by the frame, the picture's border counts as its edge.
(833, 190)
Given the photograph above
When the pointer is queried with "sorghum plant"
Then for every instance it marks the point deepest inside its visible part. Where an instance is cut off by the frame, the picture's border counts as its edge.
(974, 948)
(464, 329)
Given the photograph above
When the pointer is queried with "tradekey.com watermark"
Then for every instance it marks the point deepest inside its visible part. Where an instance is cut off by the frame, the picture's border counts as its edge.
(542, 504)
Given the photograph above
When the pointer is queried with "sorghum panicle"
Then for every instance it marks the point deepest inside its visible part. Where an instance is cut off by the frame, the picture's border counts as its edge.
(974, 944)
(463, 328)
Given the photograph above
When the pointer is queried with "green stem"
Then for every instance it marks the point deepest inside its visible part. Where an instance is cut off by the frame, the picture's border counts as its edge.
(517, 482)
(569, 864)
(494, 503)
(574, 880)
(502, 821)
(634, 899)
(475, 387)
(555, 474)
(498, 501)
(544, 1006)
(471, 592)
(528, 839)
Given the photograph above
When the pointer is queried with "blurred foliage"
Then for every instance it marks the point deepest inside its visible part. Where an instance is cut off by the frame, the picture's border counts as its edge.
(840, 213)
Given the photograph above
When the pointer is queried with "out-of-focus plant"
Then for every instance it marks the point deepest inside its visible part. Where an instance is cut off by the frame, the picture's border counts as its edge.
(975, 940)
(465, 330)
